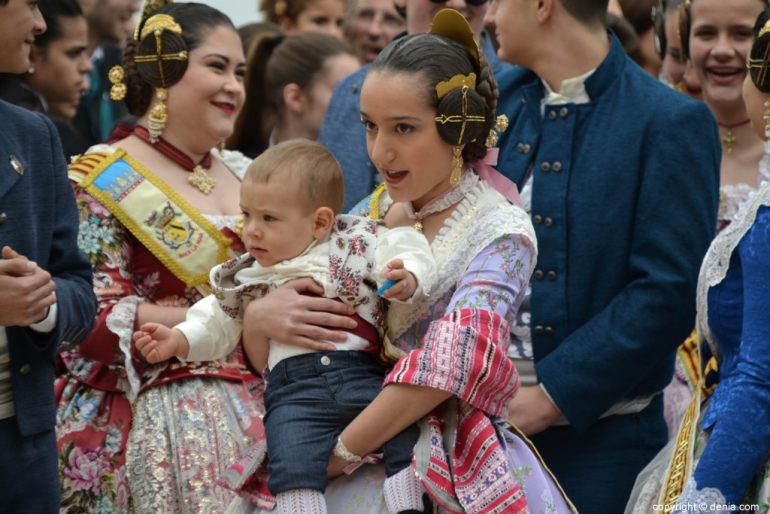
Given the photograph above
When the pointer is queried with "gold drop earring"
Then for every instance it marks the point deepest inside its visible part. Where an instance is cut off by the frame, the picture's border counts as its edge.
(457, 165)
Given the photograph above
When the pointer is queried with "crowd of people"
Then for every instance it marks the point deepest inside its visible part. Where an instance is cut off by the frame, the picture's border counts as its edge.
(385, 256)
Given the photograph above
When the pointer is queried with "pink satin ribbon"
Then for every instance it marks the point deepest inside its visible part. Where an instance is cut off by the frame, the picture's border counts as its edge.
(499, 182)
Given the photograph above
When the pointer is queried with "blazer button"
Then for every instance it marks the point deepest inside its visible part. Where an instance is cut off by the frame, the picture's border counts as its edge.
(557, 166)
(548, 330)
(25, 369)
(537, 219)
(539, 274)
(539, 329)
(546, 166)
(3, 217)
(551, 275)
(548, 222)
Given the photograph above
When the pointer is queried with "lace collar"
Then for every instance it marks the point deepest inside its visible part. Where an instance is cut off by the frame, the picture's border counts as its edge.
(443, 202)
(717, 259)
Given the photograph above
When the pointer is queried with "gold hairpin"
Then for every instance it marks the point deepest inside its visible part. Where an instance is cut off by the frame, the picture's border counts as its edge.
(443, 88)
(464, 117)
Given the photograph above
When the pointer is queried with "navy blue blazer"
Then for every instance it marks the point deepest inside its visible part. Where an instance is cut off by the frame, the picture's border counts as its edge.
(343, 133)
(38, 219)
(624, 204)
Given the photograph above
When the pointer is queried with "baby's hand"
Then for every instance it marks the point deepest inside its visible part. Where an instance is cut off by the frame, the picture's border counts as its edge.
(156, 342)
(405, 283)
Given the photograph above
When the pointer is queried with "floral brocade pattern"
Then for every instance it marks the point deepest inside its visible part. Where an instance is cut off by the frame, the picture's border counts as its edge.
(175, 437)
(94, 415)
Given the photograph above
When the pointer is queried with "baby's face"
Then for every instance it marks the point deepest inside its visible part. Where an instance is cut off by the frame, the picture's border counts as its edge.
(276, 225)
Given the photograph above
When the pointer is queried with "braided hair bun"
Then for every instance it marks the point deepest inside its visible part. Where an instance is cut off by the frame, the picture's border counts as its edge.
(460, 116)
(759, 57)
(161, 55)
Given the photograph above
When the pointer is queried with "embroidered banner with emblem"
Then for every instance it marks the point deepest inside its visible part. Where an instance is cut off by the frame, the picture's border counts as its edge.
(180, 237)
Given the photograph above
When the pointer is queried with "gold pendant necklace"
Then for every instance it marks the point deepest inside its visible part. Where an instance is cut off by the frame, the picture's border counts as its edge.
(202, 180)
(729, 138)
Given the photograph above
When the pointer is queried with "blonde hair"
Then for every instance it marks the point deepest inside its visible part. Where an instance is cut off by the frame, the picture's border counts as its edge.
(309, 165)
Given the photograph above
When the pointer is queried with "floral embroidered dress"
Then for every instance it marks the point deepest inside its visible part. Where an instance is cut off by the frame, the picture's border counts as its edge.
(136, 438)
(456, 340)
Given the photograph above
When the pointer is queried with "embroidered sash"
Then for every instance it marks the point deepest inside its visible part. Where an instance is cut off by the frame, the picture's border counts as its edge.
(169, 227)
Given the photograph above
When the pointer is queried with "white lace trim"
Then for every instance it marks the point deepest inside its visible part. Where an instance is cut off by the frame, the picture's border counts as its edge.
(731, 198)
(121, 322)
(708, 499)
(445, 201)
(234, 160)
(222, 221)
(483, 216)
(717, 260)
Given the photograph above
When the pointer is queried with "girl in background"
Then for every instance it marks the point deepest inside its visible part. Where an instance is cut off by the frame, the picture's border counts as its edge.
(289, 83)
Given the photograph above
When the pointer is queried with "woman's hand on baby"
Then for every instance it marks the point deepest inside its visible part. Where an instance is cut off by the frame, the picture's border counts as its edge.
(289, 315)
(158, 343)
(405, 283)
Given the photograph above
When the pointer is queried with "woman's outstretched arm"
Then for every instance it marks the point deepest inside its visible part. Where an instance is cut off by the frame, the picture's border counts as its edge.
(296, 314)
(475, 329)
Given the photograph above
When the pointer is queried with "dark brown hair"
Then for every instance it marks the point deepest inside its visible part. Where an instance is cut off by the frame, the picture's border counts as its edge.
(438, 59)
(274, 61)
(307, 164)
(197, 21)
(759, 68)
(53, 11)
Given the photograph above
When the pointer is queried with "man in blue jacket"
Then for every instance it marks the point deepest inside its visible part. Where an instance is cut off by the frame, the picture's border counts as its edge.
(621, 174)
(342, 131)
(46, 296)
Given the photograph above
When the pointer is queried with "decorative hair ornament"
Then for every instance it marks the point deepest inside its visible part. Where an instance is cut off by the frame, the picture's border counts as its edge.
(464, 117)
(148, 7)
(151, 58)
(450, 23)
(461, 112)
(758, 61)
(118, 90)
(766, 118)
(501, 125)
(457, 165)
(444, 87)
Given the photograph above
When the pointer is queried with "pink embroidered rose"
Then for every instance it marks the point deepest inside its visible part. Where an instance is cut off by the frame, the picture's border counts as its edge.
(85, 468)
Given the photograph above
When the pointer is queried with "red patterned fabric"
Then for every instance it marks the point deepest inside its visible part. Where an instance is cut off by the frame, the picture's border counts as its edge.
(465, 353)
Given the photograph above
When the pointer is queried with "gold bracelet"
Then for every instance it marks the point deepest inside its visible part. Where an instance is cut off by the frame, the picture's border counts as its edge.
(343, 453)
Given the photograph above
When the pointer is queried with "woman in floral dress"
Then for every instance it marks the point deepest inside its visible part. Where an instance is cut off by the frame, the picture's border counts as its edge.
(428, 104)
(157, 211)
